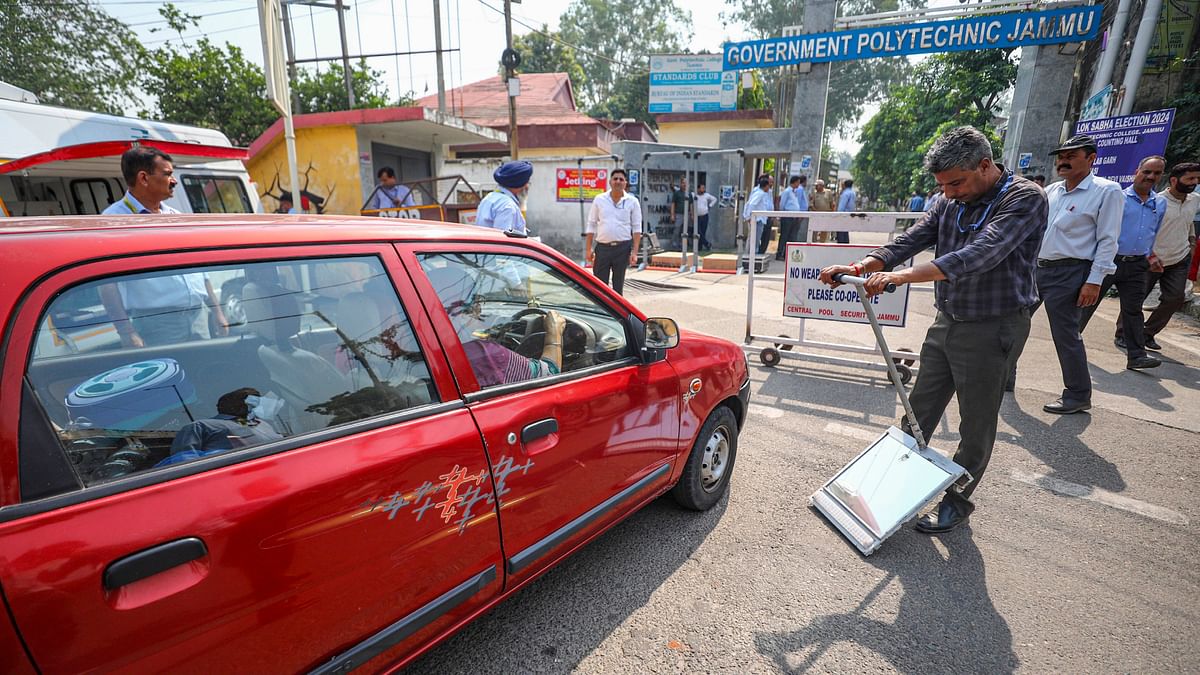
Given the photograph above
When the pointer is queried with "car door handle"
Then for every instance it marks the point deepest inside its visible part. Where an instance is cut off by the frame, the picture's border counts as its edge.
(151, 561)
(539, 429)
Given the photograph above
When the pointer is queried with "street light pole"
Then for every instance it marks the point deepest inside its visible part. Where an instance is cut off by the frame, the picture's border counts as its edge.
(345, 53)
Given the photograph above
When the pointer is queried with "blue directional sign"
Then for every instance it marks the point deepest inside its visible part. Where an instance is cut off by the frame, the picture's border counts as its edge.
(1068, 24)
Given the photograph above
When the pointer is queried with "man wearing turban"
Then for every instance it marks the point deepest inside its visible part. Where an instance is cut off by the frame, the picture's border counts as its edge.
(501, 208)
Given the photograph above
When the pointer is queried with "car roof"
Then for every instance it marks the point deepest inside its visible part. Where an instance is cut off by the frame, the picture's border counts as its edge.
(271, 227)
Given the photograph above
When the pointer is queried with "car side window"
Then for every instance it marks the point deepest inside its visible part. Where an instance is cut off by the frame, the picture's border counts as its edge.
(518, 319)
(141, 371)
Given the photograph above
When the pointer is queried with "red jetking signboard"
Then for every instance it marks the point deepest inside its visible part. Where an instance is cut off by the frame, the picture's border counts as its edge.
(595, 181)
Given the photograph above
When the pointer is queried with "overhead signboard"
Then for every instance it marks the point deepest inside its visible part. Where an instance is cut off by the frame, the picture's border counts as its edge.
(595, 181)
(806, 297)
(1122, 142)
(690, 83)
(1069, 24)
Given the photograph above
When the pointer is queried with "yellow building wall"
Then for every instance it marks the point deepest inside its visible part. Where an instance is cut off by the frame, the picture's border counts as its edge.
(327, 161)
(705, 133)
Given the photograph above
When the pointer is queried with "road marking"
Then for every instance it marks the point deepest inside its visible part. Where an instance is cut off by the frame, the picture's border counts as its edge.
(1100, 496)
(852, 432)
(765, 411)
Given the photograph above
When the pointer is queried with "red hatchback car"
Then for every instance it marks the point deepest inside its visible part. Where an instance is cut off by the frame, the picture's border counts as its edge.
(280, 444)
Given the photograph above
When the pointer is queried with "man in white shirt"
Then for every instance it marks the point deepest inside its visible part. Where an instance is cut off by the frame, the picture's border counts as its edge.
(161, 309)
(1076, 254)
(760, 200)
(705, 200)
(613, 233)
(1173, 247)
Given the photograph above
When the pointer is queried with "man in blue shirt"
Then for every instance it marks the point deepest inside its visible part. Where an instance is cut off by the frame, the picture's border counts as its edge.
(1142, 216)
(389, 194)
(501, 208)
(788, 201)
(846, 203)
(986, 232)
(916, 202)
(760, 199)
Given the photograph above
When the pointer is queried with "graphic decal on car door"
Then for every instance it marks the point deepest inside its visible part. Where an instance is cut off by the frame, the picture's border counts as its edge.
(463, 490)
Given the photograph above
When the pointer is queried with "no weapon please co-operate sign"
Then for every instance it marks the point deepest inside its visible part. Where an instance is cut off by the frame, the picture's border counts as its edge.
(1069, 24)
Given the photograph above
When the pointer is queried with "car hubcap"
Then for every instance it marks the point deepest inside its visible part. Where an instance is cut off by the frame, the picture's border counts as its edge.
(715, 460)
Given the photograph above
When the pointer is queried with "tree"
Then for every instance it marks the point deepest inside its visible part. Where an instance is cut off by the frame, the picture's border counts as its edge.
(851, 83)
(946, 90)
(325, 91)
(755, 97)
(619, 36)
(208, 86)
(545, 52)
(629, 98)
(69, 53)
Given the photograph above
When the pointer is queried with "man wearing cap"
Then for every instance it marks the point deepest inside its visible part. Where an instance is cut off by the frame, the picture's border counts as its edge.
(986, 234)
(1076, 255)
(1141, 218)
(822, 200)
(501, 208)
(613, 233)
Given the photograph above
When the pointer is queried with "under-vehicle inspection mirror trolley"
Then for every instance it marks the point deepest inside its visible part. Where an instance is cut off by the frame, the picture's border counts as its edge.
(802, 261)
(885, 486)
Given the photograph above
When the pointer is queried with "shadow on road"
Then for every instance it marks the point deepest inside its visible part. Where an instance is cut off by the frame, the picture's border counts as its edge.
(556, 621)
(1059, 445)
(945, 623)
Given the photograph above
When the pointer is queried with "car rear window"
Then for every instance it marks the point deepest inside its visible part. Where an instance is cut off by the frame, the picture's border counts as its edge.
(148, 370)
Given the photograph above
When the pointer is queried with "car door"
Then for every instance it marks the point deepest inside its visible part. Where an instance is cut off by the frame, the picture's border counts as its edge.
(570, 451)
(335, 508)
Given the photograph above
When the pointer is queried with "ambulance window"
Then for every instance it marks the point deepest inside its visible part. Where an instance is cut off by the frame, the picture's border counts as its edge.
(216, 194)
(92, 195)
(299, 346)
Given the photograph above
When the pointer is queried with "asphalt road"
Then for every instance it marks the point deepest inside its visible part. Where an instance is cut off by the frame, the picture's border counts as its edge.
(1081, 556)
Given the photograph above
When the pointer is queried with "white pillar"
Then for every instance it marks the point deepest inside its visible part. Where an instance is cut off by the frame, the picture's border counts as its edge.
(1137, 58)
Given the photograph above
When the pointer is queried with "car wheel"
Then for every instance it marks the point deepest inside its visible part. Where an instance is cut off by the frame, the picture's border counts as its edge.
(709, 466)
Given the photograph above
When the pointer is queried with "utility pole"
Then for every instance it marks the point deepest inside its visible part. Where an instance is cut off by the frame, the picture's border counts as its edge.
(341, 8)
(437, 45)
(291, 53)
(511, 60)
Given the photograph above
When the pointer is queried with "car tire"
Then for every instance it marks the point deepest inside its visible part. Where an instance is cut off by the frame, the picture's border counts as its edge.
(709, 466)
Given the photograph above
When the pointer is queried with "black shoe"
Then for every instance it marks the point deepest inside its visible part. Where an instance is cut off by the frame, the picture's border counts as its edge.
(1061, 407)
(1151, 344)
(1143, 363)
(950, 514)
(1120, 343)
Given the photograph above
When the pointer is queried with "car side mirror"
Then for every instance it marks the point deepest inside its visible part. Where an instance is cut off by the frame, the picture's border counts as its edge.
(661, 333)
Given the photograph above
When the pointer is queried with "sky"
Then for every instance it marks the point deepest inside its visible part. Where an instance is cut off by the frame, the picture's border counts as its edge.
(474, 27)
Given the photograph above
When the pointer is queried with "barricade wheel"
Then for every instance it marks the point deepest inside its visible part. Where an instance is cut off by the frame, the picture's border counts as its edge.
(769, 356)
(781, 346)
(906, 362)
(905, 373)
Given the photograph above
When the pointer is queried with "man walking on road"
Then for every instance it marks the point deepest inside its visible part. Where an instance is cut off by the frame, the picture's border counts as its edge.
(822, 200)
(846, 204)
(614, 228)
(1173, 247)
(1140, 221)
(916, 203)
(987, 232)
(1075, 257)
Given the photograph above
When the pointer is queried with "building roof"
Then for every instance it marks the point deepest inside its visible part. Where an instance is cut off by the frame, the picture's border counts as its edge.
(545, 98)
(716, 116)
(449, 129)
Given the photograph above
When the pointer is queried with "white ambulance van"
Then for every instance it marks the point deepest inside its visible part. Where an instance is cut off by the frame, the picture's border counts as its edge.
(57, 161)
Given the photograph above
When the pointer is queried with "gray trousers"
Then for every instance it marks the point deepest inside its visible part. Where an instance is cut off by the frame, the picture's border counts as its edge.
(969, 360)
(1058, 288)
(612, 259)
